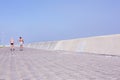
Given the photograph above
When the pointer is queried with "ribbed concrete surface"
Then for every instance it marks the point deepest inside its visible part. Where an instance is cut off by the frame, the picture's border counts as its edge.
(32, 64)
(106, 44)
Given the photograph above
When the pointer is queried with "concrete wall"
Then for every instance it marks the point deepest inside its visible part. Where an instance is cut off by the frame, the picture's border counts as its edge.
(109, 44)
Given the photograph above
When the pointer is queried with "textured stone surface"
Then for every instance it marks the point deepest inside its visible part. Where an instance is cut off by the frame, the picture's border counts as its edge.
(32, 64)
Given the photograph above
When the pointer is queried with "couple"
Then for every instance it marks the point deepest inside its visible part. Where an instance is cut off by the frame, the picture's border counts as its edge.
(21, 42)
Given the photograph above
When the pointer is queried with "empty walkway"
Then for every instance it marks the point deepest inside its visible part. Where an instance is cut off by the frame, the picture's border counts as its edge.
(32, 64)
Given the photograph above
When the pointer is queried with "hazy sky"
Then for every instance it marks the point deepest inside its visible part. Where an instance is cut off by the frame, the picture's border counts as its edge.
(46, 20)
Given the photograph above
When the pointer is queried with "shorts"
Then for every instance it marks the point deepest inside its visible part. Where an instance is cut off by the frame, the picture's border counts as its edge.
(12, 43)
(21, 43)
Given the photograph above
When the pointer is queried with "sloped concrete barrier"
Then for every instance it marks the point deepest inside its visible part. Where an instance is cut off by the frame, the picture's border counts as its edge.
(109, 44)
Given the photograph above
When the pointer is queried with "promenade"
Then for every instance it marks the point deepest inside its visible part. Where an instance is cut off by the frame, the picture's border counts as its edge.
(33, 64)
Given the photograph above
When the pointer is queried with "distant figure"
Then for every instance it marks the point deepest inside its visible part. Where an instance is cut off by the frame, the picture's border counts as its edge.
(12, 44)
(21, 41)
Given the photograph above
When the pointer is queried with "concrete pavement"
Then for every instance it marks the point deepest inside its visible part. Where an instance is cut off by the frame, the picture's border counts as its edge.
(33, 64)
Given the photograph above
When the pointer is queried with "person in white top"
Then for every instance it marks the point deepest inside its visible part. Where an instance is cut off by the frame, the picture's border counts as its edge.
(21, 42)
(12, 44)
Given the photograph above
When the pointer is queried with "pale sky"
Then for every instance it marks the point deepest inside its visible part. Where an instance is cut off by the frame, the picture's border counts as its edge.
(50, 20)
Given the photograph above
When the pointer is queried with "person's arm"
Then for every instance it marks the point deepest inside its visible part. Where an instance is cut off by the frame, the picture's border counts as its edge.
(23, 41)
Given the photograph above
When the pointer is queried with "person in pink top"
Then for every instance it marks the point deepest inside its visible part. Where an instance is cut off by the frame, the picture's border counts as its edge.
(12, 44)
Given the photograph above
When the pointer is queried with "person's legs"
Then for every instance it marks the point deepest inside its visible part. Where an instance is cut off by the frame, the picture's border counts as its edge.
(21, 47)
(12, 46)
